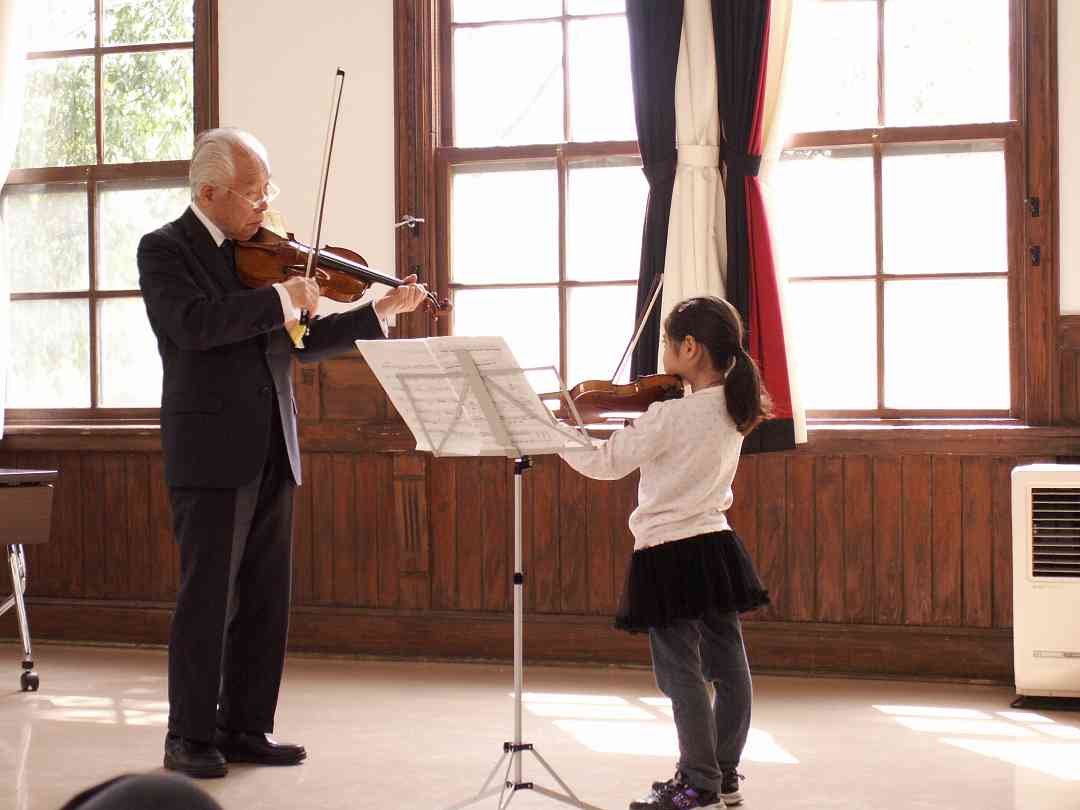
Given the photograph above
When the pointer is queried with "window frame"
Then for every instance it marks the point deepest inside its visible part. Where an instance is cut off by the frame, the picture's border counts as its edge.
(1009, 134)
(204, 47)
(562, 155)
(423, 100)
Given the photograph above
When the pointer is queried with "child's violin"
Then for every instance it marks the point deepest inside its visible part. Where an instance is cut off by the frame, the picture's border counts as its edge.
(599, 402)
(342, 274)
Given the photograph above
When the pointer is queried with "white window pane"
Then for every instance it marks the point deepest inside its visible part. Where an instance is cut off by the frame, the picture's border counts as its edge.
(825, 212)
(129, 22)
(527, 318)
(946, 61)
(595, 6)
(505, 226)
(508, 85)
(130, 364)
(919, 183)
(46, 238)
(601, 320)
(58, 114)
(486, 10)
(58, 25)
(124, 215)
(159, 87)
(947, 344)
(605, 210)
(834, 66)
(50, 355)
(601, 96)
(834, 325)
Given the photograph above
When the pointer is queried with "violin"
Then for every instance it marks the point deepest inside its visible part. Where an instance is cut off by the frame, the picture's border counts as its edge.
(342, 274)
(600, 403)
(604, 404)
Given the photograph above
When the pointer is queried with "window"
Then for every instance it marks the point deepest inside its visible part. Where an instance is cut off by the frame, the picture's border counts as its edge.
(899, 206)
(541, 179)
(109, 119)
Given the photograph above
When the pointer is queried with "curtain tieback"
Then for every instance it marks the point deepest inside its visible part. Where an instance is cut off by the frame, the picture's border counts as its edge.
(740, 163)
(698, 156)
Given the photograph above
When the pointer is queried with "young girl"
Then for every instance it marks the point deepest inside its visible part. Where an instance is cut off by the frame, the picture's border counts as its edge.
(690, 576)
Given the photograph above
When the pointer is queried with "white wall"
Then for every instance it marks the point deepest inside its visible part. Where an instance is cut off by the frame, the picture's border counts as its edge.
(277, 63)
(1069, 152)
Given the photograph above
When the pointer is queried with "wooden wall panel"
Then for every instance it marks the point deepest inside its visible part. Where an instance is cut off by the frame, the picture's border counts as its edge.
(443, 489)
(857, 575)
(496, 505)
(376, 563)
(601, 599)
(977, 545)
(772, 542)
(470, 538)
(915, 526)
(829, 584)
(137, 505)
(947, 508)
(842, 540)
(384, 579)
(1001, 558)
(541, 543)
(320, 477)
(573, 529)
(888, 552)
(800, 539)
(343, 505)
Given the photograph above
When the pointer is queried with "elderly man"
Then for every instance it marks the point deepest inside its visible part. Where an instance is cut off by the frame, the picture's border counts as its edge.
(232, 458)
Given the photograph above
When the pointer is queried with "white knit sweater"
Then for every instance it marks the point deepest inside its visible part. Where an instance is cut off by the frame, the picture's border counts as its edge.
(688, 451)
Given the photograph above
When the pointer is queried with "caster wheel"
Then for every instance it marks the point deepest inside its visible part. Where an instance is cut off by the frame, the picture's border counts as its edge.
(29, 681)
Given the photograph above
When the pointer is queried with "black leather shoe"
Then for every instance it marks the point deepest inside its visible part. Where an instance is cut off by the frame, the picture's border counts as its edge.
(198, 759)
(261, 749)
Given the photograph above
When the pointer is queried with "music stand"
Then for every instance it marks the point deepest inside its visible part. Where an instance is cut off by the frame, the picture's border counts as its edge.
(480, 391)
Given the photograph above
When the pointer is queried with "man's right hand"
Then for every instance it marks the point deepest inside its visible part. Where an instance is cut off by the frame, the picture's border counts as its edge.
(303, 292)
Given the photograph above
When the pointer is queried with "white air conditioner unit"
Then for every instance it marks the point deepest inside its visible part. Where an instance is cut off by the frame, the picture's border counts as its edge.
(1046, 579)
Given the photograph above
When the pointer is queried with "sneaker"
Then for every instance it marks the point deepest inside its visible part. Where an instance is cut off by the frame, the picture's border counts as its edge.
(676, 795)
(729, 787)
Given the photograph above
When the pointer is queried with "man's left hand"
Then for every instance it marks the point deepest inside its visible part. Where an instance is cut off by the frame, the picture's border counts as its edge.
(401, 299)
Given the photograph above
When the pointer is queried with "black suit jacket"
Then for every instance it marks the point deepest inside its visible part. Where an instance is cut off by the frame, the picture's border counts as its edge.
(225, 356)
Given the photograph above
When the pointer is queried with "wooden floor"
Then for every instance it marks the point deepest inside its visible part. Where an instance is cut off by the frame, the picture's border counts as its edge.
(385, 734)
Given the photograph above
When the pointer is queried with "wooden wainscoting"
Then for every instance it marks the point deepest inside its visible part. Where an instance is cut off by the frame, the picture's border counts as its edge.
(1069, 372)
(877, 564)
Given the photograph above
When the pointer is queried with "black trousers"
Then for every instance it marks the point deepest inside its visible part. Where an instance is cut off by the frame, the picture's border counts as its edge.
(227, 646)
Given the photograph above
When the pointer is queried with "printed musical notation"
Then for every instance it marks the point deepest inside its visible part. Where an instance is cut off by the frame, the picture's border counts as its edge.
(465, 396)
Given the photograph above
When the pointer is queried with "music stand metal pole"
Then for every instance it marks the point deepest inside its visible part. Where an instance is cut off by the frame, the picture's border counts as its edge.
(516, 748)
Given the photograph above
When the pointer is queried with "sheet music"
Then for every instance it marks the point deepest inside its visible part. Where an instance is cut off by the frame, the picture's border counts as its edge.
(429, 384)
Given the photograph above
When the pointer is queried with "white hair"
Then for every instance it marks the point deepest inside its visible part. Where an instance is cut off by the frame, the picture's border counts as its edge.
(213, 161)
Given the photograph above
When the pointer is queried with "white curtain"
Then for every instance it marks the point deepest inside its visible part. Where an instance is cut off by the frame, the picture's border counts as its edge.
(696, 255)
(781, 24)
(14, 16)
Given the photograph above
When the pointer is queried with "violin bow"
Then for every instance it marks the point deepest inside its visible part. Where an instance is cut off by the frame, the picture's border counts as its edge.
(657, 286)
(300, 331)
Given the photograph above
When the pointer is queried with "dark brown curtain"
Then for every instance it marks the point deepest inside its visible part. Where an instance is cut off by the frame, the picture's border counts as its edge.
(741, 35)
(655, 33)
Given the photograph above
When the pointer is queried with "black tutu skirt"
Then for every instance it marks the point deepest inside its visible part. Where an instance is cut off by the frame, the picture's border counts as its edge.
(684, 579)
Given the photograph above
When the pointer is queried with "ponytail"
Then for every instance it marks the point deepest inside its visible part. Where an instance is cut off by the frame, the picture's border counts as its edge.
(716, 325)
(747, 400)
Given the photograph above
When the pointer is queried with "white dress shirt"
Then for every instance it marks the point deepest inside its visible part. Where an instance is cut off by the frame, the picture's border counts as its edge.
(688, 451)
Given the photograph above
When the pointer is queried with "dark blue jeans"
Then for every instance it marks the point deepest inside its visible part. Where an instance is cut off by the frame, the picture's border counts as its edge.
(701, 665)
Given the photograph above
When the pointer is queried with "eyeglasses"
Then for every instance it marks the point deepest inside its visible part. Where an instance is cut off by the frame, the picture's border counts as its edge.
(270, 191)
